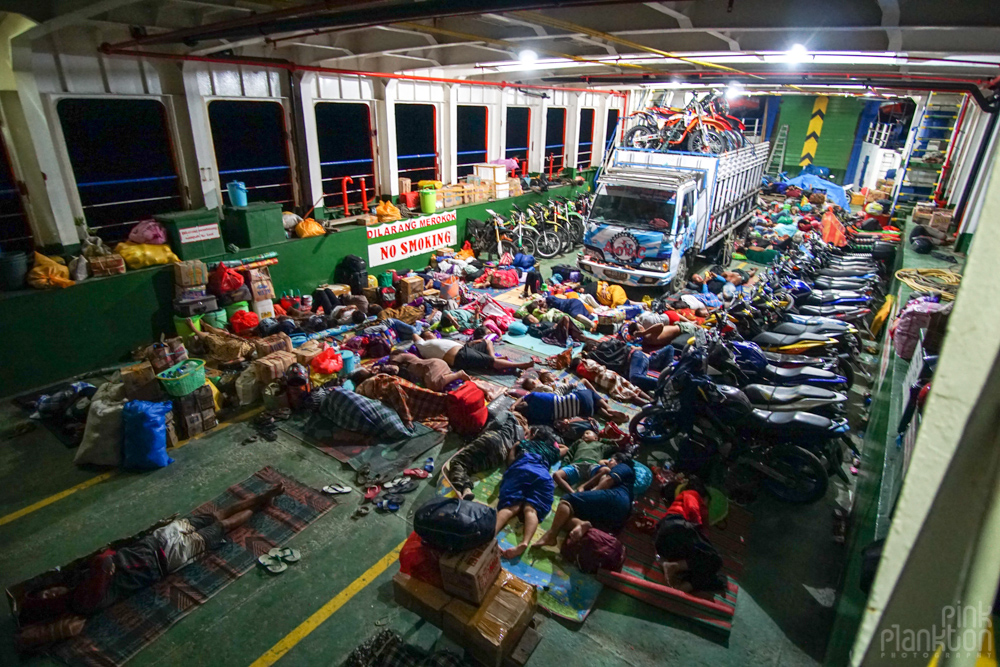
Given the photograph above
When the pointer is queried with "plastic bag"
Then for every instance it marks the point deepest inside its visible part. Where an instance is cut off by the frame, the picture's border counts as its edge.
(243, 321)
(93, 246)
(48, 273)
(327, 362)
(102, 435)
(145, 444)
(387, 212)
(289, 220)
(141, 255)
(309, 227)
(420, 561)
(148, 231)
(248, 387)
(224, 279)
(78, 268)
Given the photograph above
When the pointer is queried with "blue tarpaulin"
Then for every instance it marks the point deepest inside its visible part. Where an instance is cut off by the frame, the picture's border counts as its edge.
(833, 191)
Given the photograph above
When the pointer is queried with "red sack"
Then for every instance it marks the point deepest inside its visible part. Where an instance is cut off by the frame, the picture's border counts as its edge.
(224, 279)
(467, 413)
(327, 362)
(596, 550)
(243, 321)
(504, 278)
(420, 561)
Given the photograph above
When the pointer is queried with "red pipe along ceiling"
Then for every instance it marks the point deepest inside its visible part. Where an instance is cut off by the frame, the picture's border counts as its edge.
(293, 67)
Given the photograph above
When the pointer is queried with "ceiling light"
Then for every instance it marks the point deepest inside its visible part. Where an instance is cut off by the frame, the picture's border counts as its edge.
(734, 90)
(527, 56)
(797, 54)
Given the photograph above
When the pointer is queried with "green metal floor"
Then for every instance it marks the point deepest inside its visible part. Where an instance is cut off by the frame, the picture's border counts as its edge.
(784, 612)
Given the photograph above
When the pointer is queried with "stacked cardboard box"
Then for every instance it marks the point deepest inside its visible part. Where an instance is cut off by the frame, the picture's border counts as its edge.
(195, 413)
(140, 382)
(941, 220)
(410, 288)
(922, 213)
(875, 195)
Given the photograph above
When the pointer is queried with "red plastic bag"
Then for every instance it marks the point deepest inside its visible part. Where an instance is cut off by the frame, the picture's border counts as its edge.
(243, 321)
(467, 413)
(327, 362)
(420, 561)
(224, 279)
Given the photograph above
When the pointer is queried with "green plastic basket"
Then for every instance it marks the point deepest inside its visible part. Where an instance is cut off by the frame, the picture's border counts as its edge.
(183, 385)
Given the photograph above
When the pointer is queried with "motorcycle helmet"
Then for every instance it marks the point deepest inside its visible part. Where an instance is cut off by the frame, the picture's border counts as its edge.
(267, 326)
(922, 245)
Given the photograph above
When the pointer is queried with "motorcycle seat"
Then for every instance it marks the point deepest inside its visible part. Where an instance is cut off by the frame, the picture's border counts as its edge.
(793, 421)
(771, 339)
(762, 393)
(830, 310)
(799, 372)
(794, 328)
(843, 273)
(834, 294)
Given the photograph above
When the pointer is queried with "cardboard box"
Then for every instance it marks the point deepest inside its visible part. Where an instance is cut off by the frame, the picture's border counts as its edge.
(260, 284)
(172, 439)
(273, 366)
(857, 199)
(208, 419)
(500, 190)
(340, 290)
(190, 273)
(491, 631)
(405, 184)
(431, 293)
(264, 308)
(192, 425)
(106, 265)
(308, 351)
(276, 343)
(137, 379)
(490, 172)
(182, 293)
(885, 184)
(469, 574)
(875, 195)
(941, 220)
(370, 293)
(410, 288)
(426, 601)
(204, 399)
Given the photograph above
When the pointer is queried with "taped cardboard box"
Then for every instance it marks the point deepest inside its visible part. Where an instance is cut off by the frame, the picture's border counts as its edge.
(277, 343)
(410, 288)
(405, 184)
(469, 574)
(424, 600)
(260, 284)
(941, 220)
(190, 273)
(875, 195)
(308, 351)
(491, 631)
(140, 382)
(922, 213)
(273, 366)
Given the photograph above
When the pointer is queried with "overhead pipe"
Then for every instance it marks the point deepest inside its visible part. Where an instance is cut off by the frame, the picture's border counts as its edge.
(111, 50)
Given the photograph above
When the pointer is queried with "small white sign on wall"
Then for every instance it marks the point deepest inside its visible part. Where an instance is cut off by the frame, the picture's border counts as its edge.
(199, 233)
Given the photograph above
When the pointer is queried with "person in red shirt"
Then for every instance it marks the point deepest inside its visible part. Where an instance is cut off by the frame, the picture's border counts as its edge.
(689, 561)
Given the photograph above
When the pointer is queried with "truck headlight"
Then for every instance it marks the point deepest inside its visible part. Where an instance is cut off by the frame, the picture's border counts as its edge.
(654, 265)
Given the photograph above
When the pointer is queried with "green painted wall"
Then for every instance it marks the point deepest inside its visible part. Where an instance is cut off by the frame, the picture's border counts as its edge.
(836, 140)
(53, 335)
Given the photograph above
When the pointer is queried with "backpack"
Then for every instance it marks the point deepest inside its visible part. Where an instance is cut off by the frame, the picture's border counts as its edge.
(354, 272)
(467, 413)
(504, 278)
(612, 353)
(387, 296)
(596, 550)
(451, 524)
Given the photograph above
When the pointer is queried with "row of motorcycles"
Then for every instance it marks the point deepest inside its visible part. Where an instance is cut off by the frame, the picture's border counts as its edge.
(704, 125)
(759, 397)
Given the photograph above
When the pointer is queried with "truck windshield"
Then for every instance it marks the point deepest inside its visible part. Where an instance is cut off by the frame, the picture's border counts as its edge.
(645, 208)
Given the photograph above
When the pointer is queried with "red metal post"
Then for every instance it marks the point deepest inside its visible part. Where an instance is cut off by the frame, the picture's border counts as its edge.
(551, 160)
(364, 196)
(343, 189)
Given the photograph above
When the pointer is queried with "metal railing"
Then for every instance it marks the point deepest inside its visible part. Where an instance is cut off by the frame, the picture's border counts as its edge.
(430, 171)
(521, 154)
(104, 213)
(466, 168)
(15, 232)
(252, 189)
(554, 162)
(584, 156)
(354, 192)
(880, 134)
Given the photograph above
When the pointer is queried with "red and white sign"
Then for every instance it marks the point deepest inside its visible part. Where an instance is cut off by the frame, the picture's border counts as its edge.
(199, 233)
(408, 246)
(412, 224)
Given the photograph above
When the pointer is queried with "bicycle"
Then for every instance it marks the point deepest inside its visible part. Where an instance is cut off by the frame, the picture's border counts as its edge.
(520, 238)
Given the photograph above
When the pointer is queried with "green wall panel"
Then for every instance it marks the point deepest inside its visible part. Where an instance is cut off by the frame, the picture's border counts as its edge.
(836, 140)
(52, 335)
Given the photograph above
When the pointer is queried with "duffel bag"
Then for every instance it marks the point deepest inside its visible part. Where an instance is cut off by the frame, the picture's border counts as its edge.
(596, 550)
(451, 524)
(467, 412)
(504, 278)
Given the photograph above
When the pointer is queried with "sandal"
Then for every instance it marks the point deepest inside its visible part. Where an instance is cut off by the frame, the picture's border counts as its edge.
(429, 464)
(361, 511)
(372, 491)
(395, 483)
(336, 489)
(272, 564)
(418, 473)
(406, 487)
(285, 554)
(387, 505)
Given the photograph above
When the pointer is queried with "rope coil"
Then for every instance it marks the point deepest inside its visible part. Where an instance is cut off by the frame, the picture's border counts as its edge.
(931, 281)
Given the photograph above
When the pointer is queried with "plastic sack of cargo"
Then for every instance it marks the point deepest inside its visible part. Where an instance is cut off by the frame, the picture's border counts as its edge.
(308, 228)
(78, 269)
(243, 322)
(148, 231)
(289, 220)
(327, 362)
(224, 280)
(93, 246)
(102, 435)
(48, 273)
(386, 211)
(452, 524)
(141, 255)
(248, 387)
(144, 446)
(833, 230)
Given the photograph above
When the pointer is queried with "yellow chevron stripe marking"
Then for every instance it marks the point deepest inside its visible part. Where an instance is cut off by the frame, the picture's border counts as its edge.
(813, 131)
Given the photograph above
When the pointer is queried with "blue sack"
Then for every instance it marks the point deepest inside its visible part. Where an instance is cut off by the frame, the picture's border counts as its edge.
(523, 261)
(517, 328)
(144, 425)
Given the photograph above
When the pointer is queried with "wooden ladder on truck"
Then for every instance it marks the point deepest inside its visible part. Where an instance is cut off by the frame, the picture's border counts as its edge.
(777, 151)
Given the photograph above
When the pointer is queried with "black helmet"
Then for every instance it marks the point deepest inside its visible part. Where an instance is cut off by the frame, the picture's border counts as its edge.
(922, 245)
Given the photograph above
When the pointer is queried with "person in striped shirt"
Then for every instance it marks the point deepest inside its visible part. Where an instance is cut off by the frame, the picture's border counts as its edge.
(541, 407)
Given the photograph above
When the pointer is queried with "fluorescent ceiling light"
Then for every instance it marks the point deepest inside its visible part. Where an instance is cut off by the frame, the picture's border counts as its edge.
(527, 56)
(798, 54)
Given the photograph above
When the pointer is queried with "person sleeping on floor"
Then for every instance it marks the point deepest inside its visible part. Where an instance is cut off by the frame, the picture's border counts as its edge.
(547, 408)
(689, 560)
(527, 490)
(60, 612)
(476, 355)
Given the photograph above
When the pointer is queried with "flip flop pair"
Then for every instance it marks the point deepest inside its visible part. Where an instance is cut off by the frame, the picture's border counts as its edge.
(372, 491)
(336, 489)
(391, 503)
(276, 560)
(417, 473)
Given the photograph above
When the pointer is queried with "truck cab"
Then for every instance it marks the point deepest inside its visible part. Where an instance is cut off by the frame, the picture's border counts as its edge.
(640, 229)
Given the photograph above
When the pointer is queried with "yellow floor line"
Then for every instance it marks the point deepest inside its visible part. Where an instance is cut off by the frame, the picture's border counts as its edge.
(326, 611)
(45, 502)
(59, 496)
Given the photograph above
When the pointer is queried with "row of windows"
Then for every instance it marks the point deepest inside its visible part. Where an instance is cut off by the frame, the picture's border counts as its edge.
(123, 158)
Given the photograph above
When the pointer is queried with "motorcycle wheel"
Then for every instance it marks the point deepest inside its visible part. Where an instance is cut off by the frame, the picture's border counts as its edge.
(640, 136)
(847, 370)
(806, 472)
(713, 142)
(527, 246)
(575, 231)
(548, 244)
(651, 427)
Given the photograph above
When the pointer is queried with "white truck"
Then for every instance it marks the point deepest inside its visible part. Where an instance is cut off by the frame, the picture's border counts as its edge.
(654, 211)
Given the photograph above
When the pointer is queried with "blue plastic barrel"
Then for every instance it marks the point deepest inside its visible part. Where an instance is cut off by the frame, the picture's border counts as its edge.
(350, 362)
(237, 193)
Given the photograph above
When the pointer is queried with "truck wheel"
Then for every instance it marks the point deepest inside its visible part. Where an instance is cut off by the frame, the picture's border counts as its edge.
(725, 256)
(681, 277)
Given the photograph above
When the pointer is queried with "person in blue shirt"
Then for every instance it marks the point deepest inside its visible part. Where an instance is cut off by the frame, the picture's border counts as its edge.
(572, 307)
(606, 507)
(527, 489)
(542, 407)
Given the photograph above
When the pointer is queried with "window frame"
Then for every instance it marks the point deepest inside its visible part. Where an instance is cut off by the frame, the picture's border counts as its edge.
(527, 135)
(545, 148)
(590, 149)
(437, 143)
(50, 102)
(372, 134)
(486, 139)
